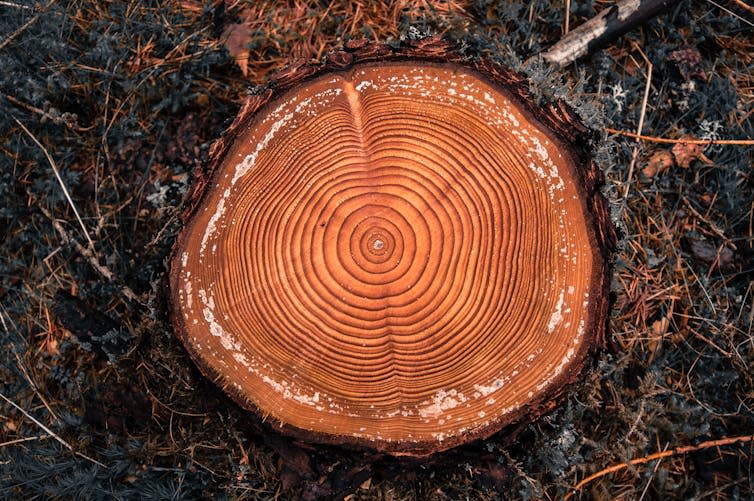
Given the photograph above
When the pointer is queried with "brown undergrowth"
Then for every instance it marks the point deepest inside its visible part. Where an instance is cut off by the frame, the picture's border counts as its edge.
(123, 99)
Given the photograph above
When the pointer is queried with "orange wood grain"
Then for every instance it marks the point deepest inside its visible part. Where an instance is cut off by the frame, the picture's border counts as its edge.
(397, 255)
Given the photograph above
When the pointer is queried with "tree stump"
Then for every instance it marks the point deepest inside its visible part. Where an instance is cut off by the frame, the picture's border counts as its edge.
(395, 249)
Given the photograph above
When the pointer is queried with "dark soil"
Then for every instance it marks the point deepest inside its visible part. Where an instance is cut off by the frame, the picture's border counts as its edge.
(101, 400)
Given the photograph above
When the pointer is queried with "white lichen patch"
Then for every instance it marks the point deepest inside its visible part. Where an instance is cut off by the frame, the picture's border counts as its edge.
(211, 224)
(441, 402)
(558, 369)
(241, 359)
(226, 340)
(365, 84)
(250, 160)
(189, 298)
(544, 167)
(484, 390)
(557, 315)
(290, 392)
(307, 399)
(440, 437)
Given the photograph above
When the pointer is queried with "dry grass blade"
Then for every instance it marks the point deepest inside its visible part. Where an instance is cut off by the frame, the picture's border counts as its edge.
(60, 180)
(733, 13)
(34, 387)
(635, 154)
(49, 431)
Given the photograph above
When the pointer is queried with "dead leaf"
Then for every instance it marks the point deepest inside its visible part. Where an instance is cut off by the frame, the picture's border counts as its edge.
(497, 476)
(659, 162)
(706, 199)
(50, 346)
(689, 61)
(709, 253)
(685, 153)
(237, 38)
(660, 327)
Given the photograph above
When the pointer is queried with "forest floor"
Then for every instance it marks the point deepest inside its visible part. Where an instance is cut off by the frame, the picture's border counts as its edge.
(118, 102)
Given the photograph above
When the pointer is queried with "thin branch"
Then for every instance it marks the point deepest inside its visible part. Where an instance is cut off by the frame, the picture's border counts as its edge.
(34, 388)
(22, 440)
(15, 5)
(611, 23)
(678, 451)
(654, 139)
(24, 26)
(733, 13)
(60, 180)
(90, 256)
(50, 432)
(56, 120)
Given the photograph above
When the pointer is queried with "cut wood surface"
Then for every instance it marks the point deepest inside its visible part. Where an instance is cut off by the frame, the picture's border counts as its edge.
(395, 249)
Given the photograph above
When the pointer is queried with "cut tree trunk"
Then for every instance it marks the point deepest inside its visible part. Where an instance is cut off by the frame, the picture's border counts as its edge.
(395, 249)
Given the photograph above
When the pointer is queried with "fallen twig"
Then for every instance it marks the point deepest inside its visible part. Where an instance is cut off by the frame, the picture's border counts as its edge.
(34, 388)
(603, 28)
(659, 455)
(90, 256)
(24, 26)
(59, 120)
(60, 180)
(22, 440)
(739, 4)
(654, 139)
(90, 253)
(15, 5)
(50, 432)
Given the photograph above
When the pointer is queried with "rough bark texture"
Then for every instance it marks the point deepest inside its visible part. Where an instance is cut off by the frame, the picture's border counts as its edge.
(560, 124)
(602, 29)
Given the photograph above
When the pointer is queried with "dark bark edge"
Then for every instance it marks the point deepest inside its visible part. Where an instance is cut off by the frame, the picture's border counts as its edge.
(565, 128)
